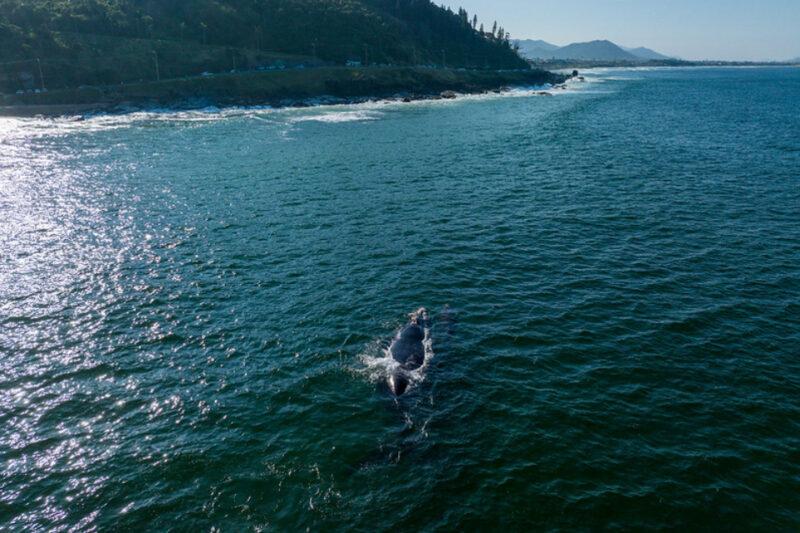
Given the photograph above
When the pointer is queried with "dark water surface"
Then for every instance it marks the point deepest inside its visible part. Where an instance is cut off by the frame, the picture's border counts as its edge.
(192, 309)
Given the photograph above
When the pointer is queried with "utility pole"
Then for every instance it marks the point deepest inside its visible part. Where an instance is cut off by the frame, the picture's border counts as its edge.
(158, 73)
(41, 76)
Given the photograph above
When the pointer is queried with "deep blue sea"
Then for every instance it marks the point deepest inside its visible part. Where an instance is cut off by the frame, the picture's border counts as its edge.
(195, 306)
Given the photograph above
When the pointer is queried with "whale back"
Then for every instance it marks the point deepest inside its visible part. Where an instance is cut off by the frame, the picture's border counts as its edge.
(408, 347)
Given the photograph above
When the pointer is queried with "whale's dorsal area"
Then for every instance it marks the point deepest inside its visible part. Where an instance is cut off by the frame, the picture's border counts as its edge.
(408, 349)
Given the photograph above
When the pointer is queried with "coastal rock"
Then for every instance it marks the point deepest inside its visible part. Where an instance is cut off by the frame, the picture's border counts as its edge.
(271, 90)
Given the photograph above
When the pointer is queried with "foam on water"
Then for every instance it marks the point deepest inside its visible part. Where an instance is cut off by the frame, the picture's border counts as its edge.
(379, 365)
(322, 113)
(334, 116)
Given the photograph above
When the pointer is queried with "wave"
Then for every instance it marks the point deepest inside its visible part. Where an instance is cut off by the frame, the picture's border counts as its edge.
(319, 110)
(334, 117)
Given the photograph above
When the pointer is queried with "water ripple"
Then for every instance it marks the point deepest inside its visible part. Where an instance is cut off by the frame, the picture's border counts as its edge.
(187, 300)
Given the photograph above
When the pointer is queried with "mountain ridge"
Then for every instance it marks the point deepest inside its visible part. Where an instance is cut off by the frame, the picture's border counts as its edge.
(598, 50)
(646, 53)
(601, 49)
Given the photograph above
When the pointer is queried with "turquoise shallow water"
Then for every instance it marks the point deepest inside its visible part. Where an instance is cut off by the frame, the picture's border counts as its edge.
(193, 308)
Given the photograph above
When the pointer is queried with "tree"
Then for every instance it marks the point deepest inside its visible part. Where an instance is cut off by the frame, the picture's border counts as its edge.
(257, 37)
(464, 16)
(494, 29)
(147, 20)
(474, 21)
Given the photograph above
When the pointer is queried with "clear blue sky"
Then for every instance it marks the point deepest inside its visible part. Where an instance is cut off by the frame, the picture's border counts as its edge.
(690, 29)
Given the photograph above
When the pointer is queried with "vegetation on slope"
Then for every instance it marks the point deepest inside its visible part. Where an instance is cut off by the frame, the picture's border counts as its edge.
(111, 41)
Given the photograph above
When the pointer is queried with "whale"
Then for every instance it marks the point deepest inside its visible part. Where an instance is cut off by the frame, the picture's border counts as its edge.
(408, 350)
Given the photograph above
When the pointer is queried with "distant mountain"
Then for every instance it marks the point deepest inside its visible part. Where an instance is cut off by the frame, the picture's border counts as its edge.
(594, 51)
(646, 53)
(532, 48)
(591, 51)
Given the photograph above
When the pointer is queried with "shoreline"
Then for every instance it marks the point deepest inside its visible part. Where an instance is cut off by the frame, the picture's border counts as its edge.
(588, 64)
(88, 110)
(297, 88)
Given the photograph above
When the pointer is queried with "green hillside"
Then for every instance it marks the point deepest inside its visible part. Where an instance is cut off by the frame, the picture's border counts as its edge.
(95, 42)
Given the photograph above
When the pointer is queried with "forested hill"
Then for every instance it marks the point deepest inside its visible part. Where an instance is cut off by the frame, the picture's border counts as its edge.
(111, 41)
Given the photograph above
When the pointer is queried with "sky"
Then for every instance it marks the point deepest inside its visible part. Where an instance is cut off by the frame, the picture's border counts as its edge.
(689, 29)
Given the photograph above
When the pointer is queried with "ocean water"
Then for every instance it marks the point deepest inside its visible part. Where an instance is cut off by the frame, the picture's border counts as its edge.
(194, 308)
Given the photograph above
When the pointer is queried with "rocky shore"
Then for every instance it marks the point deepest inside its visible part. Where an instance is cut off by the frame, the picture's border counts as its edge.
(301, 88)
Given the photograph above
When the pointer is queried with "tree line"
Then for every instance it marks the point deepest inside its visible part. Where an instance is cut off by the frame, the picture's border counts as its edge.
(393, 31)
